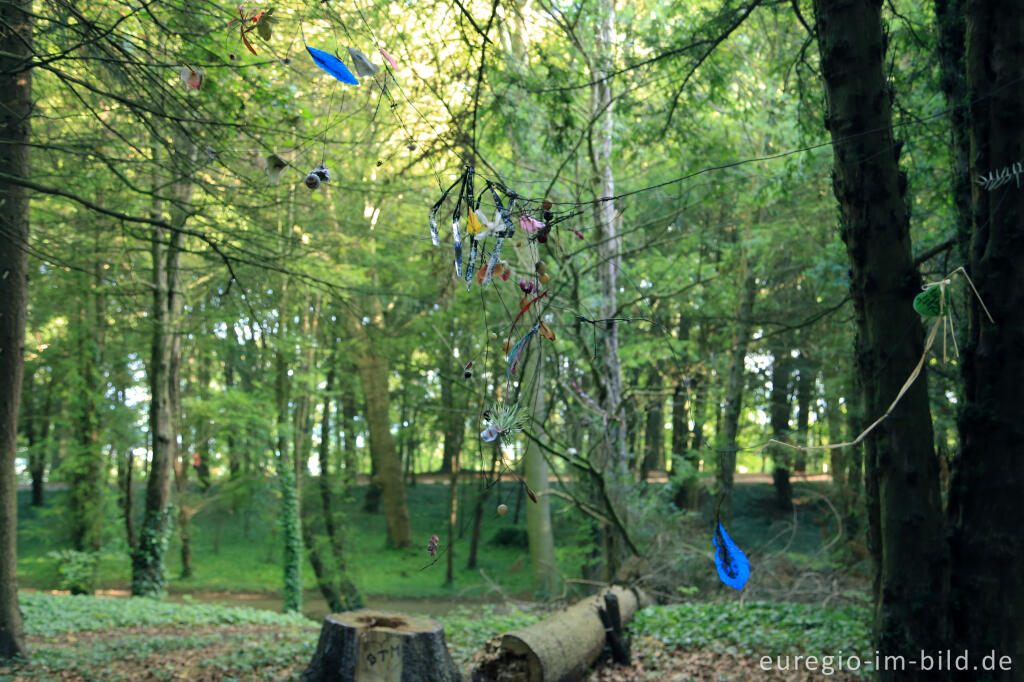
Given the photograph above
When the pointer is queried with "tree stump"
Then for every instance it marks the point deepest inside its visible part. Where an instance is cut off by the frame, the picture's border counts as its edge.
(379, 646)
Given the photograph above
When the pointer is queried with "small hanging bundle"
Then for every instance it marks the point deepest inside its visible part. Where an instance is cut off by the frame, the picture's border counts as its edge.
(435, 237)
(934, 302)
(503, 419)
(477, 227)
(506, 220)
(319, 174)
(364, 67)
(192, 77)
(275, 166)
(732, 564)
(388, 58)
(332, 65)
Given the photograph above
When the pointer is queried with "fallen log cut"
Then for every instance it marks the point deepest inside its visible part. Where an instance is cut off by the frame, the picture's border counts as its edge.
(560, 648)
(379, 646)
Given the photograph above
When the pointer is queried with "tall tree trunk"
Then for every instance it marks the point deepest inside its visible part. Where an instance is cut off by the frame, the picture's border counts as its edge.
(16, 84)
(778, 415)
(454, 433)
(452, 420)
(654, 428)
(335, 585)
(478, 509)
(37, 455)
(183, 459)
(612, 456)
(904, 507)
(126, 490)
(230, 358)
(730, 423)
(291, 520)
(373, 374)
(302, 424)
(349, 454)
(683, 471)
(950, 47)
(988, 480)
(204, 438)
(804, 388)
(323, 456)
(148, 569)
(85, 473)
(540, 537)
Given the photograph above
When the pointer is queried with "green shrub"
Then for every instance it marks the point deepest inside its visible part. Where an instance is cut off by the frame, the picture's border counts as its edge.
(76, 571)
(510, 536)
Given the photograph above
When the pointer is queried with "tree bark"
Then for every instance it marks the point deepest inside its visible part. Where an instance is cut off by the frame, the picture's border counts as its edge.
(950, 48)
(336, 587)
(654, 428)
(37, 430)
(730, 422)
(612, 458)
(904, 507)
(478, 509)
(778, 415)
(148, 570)
(291, 520)
(86, 468)
(804, 387)
(373, 373)
(540, 536)
(560, 648)
(988, 481)
(234, 454)
(380, 645)
(16, 84)
(126, 488)
(349, 454)
(454, 433)
(697, 392)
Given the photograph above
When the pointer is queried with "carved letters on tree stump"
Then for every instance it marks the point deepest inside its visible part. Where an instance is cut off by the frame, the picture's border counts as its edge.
(379, 646)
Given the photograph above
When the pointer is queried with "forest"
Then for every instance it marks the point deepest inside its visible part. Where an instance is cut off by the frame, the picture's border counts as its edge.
(471, 310)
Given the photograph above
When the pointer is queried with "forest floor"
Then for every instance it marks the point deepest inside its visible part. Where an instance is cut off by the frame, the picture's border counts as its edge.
(129, 639)
(266, 652)
(109, 639)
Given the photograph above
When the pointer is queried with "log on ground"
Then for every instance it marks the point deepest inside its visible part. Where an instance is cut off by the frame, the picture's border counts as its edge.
(560, 648)
(379, 646)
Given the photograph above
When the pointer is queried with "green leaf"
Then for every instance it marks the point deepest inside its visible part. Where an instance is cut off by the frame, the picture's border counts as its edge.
(265, 25)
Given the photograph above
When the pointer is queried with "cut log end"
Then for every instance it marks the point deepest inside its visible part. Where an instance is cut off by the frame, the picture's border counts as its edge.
(379, 646)
(497, 663)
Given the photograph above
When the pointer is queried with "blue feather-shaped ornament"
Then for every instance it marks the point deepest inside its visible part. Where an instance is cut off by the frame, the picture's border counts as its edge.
(733, 565)
(332, 65)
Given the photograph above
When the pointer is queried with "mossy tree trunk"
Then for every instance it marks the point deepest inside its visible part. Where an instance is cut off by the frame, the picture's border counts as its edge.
(290, 518)
(148, 570)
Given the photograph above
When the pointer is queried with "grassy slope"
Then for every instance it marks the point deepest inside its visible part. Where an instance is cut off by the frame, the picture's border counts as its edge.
(236, 541)
(236, 546)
